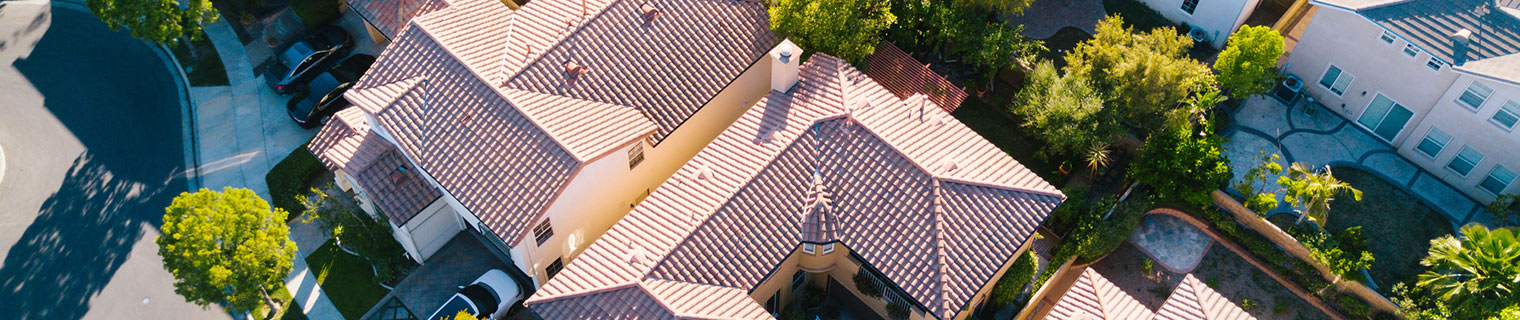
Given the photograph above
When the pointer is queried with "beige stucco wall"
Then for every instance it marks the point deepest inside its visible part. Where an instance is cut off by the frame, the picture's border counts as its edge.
(1472, 128)
(606, 189)
(1352, 43)
(1218, 17)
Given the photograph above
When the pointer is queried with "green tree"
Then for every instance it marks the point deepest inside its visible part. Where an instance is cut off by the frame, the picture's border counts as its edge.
(226, 247)
(1313, 191)
(352, 229)
(1182, 167)
(1255, 181)
(1065, 111)
(1476, 275)
(1248, 64)
(159, 21)
(1146, 74)
(1010, 7)
(1505, 208)
(848, 29)
(1018, 276)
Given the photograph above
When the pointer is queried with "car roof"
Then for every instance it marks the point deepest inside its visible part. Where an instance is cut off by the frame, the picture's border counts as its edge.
(297, 52)
(452, 307)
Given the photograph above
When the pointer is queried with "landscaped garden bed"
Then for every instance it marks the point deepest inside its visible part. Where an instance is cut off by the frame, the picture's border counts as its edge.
(204, 68)
(293, 176)
(1400, 228)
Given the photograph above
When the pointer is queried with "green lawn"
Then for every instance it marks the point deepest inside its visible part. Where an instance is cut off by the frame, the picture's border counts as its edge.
(289, 178)
(1398, 227)
(289, 310)
(992, 123)
(348, 280)
(208, 70)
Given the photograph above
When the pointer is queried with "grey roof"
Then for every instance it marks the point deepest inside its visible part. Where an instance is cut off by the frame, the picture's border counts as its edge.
(1429, 24)
(1503, 67)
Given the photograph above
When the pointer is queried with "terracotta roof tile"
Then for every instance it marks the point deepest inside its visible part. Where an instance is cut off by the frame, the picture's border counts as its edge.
(1194, 299)
(506, 151)
(389, 16)
(348, 144)
(737, 209)
(905, 77)
(1094, 297)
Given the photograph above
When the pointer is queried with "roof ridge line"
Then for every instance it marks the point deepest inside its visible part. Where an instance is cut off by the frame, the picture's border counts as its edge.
(997, 186)
(386, 100)
(506, 94)
(937, 211)
(558, 41)
(538, 299)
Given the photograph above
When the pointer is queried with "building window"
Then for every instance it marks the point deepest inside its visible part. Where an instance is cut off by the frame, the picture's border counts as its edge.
(1507, 115)
(828, 248)
(798, 279)
(1385, 117)
(543, 231)
(1434, 142)
(636, 155)
(1387, 37)
(555, 267)
(1475, 95)
(1497, 180)
(1189, 6)
(809, 248)
(1336, 80)
(1465, 161)
(1434, 64)
(1410, 51)
(773, 305)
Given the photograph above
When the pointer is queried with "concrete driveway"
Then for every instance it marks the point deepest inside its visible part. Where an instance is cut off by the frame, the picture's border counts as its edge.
(90, 121)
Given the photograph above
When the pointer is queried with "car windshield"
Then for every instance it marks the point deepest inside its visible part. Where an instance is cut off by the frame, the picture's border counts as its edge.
(317, 89)
(296, 53)
(453, 307)
(482, 296)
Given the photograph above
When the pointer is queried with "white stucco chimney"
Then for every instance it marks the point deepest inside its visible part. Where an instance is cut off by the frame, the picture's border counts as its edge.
(785, 58)
(1460, 42)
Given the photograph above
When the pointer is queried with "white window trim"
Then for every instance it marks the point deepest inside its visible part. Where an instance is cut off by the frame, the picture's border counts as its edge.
(1501, 125)
(1196, 3)
(809, 248)
(1473, 108)
(1406, 51)
(1392, 38)
(1458, 156)
(1507, 184)
(1440, 64)
(1373, 130)
(1343, 73)
(1427, 136)
(828, 248)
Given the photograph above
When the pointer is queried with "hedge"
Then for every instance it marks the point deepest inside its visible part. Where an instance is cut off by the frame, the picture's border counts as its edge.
(288, 178)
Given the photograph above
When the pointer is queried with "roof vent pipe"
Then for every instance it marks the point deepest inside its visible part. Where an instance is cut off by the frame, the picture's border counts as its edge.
(1460, 42)
(649, 12)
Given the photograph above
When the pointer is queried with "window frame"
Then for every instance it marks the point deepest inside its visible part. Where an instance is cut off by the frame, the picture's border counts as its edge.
(543, 231)
(1473, 164)
(636, 155)
(1470, 86)
(809, 248)
(828, 248)
(1490, 176)
(1388, 38)
(1340, 73)
(1441, 145)
(1411, 50)
(1435, 64)
(799, 279)
(1510, 108)
(1184, 7)
(554, 268)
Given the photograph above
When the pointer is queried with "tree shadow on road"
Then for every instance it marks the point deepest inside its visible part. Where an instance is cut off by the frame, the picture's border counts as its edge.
(118, 100)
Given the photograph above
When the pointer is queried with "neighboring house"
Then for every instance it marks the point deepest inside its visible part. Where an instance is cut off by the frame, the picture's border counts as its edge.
(1439, 80)
(1093, 297)
(819, 181)
(385, 18)
(537, 129)
(1216, 19)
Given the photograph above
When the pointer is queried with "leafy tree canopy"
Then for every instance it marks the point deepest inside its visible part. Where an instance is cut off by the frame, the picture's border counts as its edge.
(1476, 275)
(1248, 64)
(159, 21)
(1147, 74)
(848, 29)
(1065, 111)
(1013, 7)
(1182, 167)
(225, 247)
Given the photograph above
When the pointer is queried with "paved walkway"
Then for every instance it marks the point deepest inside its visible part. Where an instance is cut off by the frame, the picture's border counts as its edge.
(1324, 138)
(241, 132)
(1044, 17)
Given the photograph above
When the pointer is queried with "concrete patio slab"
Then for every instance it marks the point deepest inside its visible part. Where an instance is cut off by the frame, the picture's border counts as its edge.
(1044, 17)
(1397, 170)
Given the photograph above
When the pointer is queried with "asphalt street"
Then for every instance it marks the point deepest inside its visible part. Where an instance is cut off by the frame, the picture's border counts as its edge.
(90, 121)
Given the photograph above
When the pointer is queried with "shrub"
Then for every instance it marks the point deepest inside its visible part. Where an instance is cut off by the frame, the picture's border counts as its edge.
(1065, 111)
(1182, 167)
(1247, 65)
(316, 13)
(867, 284)
(352, 229)
(1008, 288)
(288, 178)
(1147, 74)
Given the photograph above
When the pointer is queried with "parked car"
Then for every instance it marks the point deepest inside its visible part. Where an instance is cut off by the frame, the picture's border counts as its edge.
(314, 103)
(304, 59)
(489, 297)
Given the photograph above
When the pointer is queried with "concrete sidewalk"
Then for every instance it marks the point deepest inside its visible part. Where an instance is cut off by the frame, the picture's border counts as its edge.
(241, 131)
(1323, 138)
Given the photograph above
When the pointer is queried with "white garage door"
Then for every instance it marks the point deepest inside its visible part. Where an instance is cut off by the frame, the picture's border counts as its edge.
(432, 233)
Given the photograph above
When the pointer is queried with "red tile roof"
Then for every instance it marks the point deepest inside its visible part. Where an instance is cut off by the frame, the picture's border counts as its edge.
(506, 150)
(905, 77)
(909, 189)
(389, 16)
(1094, 297)
(347, 143)
(1195, 300)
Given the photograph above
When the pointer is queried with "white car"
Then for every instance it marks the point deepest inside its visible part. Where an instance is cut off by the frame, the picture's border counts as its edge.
(488, 297)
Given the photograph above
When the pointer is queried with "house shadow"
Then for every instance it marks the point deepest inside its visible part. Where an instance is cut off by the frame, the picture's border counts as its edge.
(115, 96)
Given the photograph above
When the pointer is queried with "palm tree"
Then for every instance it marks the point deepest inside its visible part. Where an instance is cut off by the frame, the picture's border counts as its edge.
(1097, 157)
(1313, 192)
(1478, 273)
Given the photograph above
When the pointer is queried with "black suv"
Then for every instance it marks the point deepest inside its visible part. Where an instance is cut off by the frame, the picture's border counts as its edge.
(310, 57)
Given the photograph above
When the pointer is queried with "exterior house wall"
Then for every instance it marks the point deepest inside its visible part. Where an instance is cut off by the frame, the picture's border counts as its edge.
(1472, 128)
(841, 268)
(605, 189)
(1218, 17)
(1352, 43)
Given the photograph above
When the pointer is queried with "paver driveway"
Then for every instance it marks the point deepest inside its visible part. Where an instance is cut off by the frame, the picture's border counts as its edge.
(91, 125)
